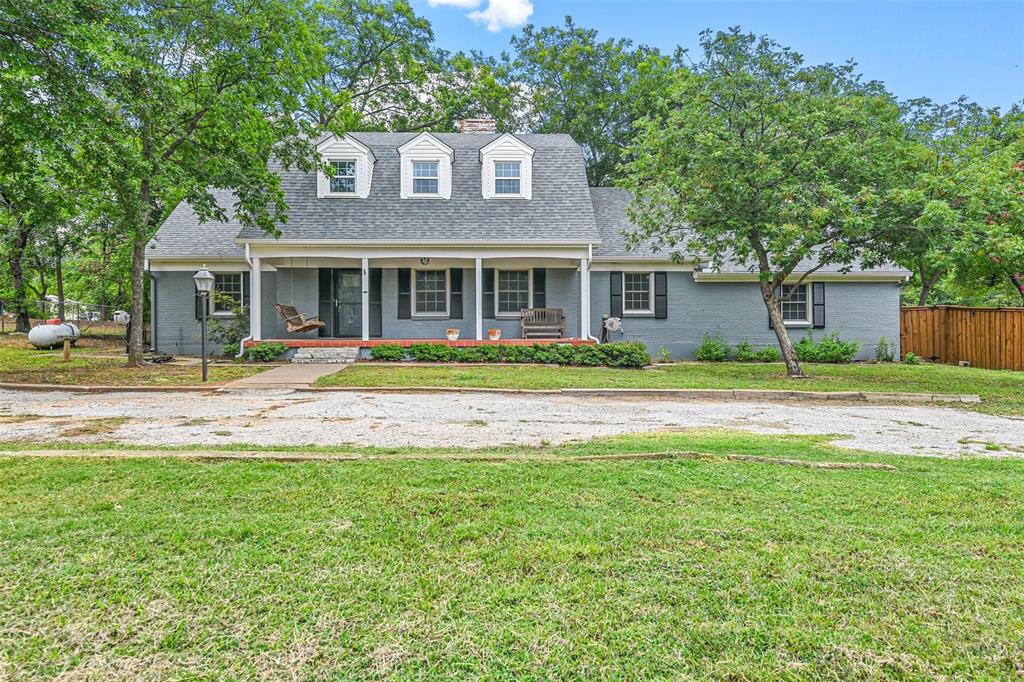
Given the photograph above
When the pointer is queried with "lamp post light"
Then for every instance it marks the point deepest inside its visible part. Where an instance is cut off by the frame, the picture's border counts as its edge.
(204, 285)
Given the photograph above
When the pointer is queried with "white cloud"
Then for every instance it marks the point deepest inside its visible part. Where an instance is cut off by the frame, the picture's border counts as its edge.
(502, 14)
(462, 4)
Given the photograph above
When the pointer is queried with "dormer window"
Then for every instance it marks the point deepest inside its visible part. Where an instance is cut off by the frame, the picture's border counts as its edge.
(426, 164)
(347, 169)
(506, 169)
(425, 177)
(343, 180)
(507, 177)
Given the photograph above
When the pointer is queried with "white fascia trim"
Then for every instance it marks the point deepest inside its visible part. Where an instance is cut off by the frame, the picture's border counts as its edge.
(792, 279)
(331, 139)
(213, 264)
(394, 243)
(441, 146)
(640, 265)
(523, 147)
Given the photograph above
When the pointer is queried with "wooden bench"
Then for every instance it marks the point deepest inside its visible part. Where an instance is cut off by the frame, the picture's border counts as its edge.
(542, 323)
(296, 321)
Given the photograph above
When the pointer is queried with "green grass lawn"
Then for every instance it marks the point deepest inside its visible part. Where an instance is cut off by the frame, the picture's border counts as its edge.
(94, 362)
(1002, 391)
(541, 569)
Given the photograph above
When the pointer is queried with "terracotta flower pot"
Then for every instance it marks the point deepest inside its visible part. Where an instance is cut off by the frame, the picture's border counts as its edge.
(494, 334)
(452, 333)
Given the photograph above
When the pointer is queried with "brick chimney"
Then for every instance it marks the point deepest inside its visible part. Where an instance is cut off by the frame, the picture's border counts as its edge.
(478, 125)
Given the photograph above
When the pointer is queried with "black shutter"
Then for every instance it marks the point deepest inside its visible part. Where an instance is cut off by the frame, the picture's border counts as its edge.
(455, 300)
(615, 279)
(540, 291)
(404, 294)
(376, 303)
(818, 314)
(199, 304)
(245, 289)
(488, 297)
(660, 295)
(325, 277)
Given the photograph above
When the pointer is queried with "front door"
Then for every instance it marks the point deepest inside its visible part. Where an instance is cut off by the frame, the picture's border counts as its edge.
(348, 294)
(341, 302)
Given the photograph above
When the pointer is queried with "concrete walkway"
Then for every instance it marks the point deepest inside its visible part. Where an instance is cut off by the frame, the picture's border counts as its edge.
(285, 377)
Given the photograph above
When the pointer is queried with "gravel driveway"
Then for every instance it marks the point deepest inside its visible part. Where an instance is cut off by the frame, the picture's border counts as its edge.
(477, 420)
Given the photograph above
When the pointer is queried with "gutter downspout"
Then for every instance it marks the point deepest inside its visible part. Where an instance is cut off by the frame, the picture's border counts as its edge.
(586, 332)
(241, 344)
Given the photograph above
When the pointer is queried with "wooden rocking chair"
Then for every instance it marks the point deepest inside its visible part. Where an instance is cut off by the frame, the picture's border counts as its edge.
(296, 322)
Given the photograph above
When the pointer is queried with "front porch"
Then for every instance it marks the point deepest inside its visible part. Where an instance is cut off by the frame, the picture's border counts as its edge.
(405, 343)
(365, 296)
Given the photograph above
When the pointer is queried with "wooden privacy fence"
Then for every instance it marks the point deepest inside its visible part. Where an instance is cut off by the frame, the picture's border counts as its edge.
(984, 337)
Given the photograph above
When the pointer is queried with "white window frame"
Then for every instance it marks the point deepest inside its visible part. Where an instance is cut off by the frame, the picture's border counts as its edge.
(447, 293)
(497, 293)
(809, 306)
(507, 195)
(221, 312)
(650, 295)
(413, 177)
(355, 177)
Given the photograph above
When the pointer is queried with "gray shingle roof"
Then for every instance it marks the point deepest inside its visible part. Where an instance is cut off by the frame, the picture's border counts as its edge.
(183, 236)
(610, 214)
(560, 209)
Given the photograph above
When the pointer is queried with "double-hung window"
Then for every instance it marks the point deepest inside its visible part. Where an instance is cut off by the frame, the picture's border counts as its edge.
(227, 286)
(424, 177)
(430, 292)
(636, 293)
(796, 309)
(513, 291)
(507, 177)
(343, 177)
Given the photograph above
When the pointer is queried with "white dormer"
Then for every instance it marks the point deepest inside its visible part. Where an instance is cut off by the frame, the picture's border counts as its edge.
(426, 168)
(351, 164)
(507, 169)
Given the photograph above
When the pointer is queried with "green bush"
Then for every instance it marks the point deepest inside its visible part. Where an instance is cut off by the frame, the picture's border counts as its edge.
(745, 352)
(830, 349)
(388, 352)
(711, 349)
(664, 355)
(769, 354)
(911, 359)
(229, 350)
(628, 354)
(266, 352)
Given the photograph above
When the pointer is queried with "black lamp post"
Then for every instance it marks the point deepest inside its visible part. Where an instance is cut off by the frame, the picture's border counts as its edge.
(204, 285)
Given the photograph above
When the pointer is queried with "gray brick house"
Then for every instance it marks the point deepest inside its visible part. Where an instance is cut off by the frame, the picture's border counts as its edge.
(412, 234)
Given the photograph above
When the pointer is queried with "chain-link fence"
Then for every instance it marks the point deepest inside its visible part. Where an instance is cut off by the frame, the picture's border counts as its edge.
(92, 319)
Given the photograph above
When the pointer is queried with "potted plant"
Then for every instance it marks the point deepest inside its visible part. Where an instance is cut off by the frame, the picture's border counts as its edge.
(452, 333)
(494, 334)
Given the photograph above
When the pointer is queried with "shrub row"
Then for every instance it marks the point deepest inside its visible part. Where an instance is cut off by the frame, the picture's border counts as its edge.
(830, 349)
(619, 354)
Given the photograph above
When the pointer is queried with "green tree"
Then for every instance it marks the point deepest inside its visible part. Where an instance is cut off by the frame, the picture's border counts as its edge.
(754, 158)
(590, 89)
(955, 181)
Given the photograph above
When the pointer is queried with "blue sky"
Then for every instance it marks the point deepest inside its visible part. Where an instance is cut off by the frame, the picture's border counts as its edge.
(933, 49)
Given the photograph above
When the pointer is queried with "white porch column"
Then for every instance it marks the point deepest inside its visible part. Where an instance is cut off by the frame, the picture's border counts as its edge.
(479, 300)
(255, 302)
(584, 298)
(366, 299)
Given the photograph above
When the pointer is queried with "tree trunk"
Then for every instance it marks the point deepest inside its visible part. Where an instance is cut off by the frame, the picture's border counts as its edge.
(1018, 282)
(21, 321)
(927, 284)
(59, 272)
(140, 231)
(774, 306)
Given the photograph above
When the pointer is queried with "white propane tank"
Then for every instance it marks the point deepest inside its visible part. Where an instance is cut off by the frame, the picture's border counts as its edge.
(52, 335)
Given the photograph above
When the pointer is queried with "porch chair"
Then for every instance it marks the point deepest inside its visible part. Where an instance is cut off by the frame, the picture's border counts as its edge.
(296, 321)
(542, 323)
